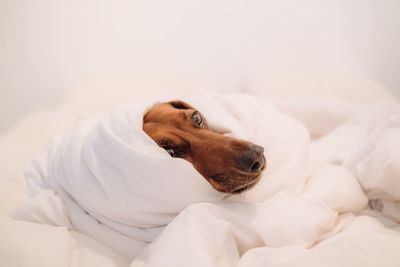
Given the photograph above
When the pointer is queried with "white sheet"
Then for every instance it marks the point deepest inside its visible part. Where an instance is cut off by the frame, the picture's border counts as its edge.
(310, 208)
(324, 225)
(109, 180)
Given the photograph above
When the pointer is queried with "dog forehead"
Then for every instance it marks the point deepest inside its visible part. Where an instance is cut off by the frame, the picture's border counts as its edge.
(165, 113)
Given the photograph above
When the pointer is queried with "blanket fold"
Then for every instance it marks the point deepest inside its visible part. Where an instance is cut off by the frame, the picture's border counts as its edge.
(329, 196)
(114, 182)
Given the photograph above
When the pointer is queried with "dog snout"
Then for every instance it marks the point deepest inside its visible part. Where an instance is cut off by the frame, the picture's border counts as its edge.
(252, 160)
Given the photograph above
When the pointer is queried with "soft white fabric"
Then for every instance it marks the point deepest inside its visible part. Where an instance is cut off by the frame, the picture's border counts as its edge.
(316, 227)
(110, 180)
(32, 244)
(310, 208)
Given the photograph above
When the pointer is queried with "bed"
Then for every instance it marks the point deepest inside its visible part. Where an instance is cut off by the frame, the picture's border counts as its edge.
(336, 202)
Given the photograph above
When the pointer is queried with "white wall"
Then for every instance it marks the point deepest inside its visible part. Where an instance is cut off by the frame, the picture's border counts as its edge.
(48, 46)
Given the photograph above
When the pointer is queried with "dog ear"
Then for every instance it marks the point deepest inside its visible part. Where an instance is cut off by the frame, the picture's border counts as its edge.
(178, 104)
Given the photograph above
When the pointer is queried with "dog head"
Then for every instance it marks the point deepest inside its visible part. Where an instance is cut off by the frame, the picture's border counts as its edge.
(230, 165)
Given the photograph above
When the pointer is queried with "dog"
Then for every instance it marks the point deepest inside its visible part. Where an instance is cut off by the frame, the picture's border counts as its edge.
(230, 165)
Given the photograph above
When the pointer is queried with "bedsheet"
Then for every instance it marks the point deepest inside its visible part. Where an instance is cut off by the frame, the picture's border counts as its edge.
(330, 196)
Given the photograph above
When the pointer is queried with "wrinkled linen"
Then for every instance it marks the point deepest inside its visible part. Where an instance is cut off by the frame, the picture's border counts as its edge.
(329, 197)
(109, 180)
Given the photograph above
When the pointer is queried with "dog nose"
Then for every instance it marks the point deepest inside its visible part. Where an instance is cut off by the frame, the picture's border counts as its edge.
(258, 149)
(252, 159)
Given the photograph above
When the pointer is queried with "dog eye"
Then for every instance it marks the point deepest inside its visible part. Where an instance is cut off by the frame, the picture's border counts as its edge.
(170, 151)
(197, 119)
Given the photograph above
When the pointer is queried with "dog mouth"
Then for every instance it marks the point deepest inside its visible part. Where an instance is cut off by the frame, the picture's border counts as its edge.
(237, 183)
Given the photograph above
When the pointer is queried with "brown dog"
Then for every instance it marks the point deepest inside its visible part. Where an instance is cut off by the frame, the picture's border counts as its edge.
(230, 165)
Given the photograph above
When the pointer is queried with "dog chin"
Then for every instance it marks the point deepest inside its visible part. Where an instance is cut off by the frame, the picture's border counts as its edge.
(241, 183)
(246, 187)
(234, 188)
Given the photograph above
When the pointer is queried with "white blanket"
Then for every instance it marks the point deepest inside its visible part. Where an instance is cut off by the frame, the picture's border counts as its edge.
(109, 180)
(112, 183)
